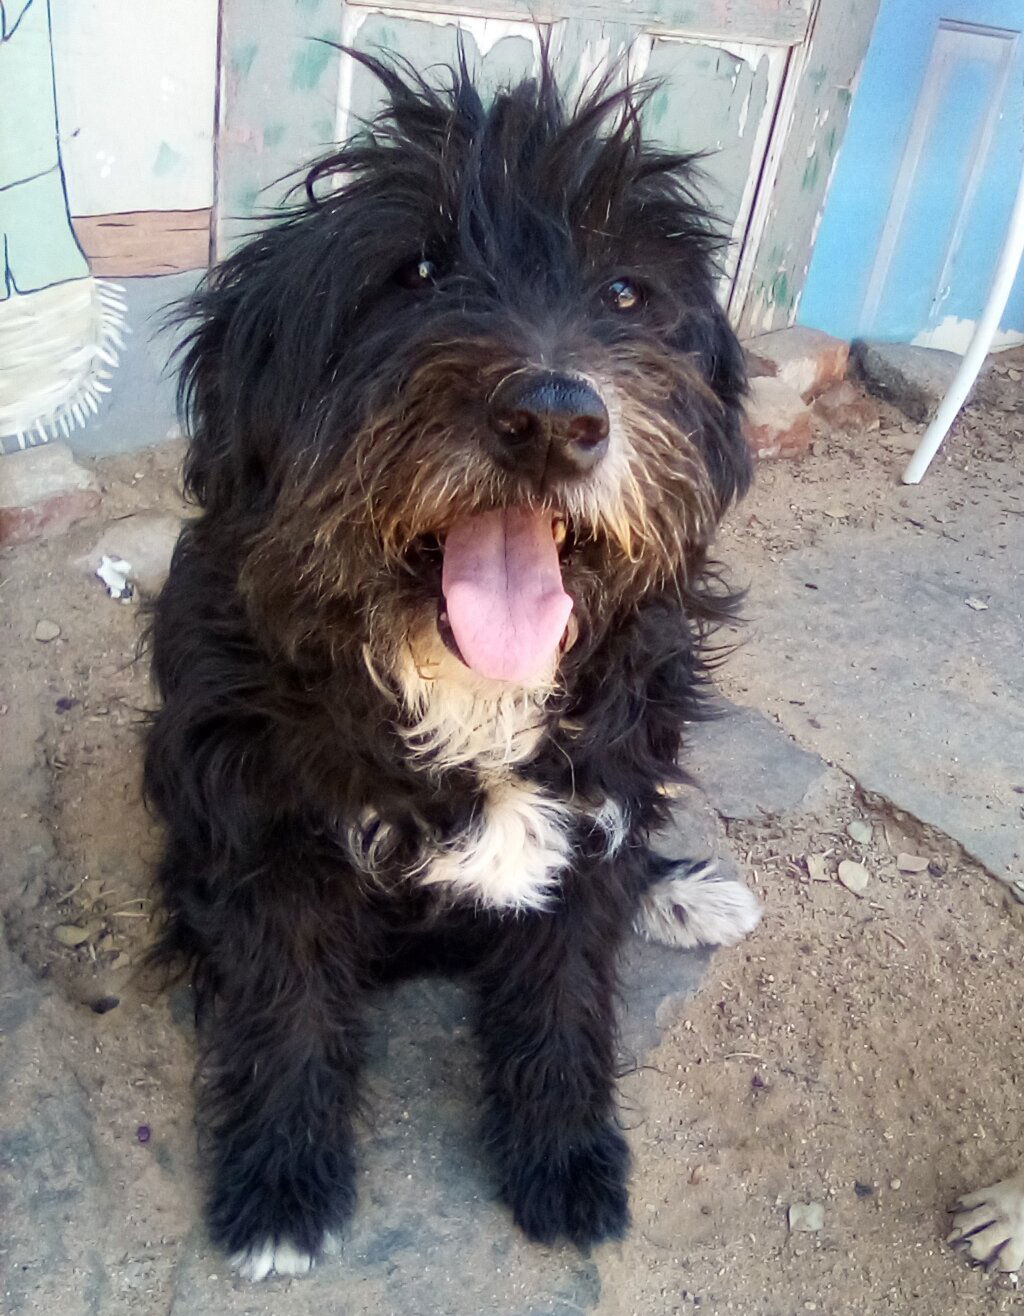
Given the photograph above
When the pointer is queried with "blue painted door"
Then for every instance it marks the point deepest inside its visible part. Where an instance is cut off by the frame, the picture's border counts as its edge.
(926, 177)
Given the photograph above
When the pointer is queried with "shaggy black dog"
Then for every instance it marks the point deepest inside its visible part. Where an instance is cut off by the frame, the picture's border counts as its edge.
(463, 424)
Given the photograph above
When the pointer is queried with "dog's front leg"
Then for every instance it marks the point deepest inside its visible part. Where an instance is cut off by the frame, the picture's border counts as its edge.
(282, 1047)
(547, 1029)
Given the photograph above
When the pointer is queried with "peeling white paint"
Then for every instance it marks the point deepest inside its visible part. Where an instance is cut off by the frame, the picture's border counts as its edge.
(484, 32)
(952, 334)
(821, 209)
(746, 52)
(352, 19)
(741, 121)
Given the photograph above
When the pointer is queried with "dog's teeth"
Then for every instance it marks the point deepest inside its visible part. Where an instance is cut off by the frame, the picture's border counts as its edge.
(443, 619)
(570, 635)
(558, 529)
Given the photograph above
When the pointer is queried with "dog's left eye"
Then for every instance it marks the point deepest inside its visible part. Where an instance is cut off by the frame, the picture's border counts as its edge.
(623, 295)
(417, 274)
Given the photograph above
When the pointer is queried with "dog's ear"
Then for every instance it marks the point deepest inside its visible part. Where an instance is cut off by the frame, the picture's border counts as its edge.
(224, 380)
(710, 340)
(263, 332)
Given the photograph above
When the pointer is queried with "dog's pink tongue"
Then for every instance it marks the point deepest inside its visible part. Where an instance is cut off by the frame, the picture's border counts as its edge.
(503, 588)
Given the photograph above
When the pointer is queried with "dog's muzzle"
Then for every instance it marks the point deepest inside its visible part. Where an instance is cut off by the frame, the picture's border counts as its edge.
(547, 426)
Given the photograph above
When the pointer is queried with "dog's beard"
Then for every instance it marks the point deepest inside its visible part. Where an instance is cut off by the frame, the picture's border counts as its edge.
(464, 569)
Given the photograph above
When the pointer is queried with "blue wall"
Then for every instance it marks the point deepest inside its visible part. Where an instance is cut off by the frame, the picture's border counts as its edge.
(869, 164)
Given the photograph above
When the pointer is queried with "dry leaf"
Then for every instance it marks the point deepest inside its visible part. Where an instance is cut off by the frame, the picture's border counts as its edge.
(816, 867)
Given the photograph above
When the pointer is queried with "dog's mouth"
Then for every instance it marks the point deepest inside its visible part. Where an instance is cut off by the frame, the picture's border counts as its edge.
(504, 611)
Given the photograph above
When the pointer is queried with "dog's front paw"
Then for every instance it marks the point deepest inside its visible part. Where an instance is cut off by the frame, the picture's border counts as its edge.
(262, 1260)
(989, 1225)
(577, 1191)
(696, 907)
(283, 1221)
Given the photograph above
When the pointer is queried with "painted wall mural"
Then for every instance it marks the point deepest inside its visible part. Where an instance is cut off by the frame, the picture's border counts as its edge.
(113, 192)
(60, 328)
(106, 193)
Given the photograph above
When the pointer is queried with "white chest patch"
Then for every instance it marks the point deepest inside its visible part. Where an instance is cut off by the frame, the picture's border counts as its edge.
(459, 719)
(513, 853)
(511, 856)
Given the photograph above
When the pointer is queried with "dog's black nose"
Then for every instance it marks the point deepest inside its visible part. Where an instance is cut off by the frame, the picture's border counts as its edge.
(548, 424)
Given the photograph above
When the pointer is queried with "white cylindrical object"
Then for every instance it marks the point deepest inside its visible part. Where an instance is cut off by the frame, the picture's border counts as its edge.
(974, 357)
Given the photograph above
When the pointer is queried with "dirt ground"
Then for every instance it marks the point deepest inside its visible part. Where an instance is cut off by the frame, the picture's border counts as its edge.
(861, 1052)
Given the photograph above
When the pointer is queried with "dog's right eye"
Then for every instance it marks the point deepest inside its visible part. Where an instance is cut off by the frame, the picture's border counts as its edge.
(417, 274)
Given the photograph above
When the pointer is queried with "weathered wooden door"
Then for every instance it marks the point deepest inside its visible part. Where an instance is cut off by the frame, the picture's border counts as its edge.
(733, 73)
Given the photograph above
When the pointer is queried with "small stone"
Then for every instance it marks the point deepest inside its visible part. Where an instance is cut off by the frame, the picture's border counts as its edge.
(46, 631)
(845, 407)
(816, 868)
(853, 876)
(104, 1004)
(863, 1189)
(807, 360)
(911, 863)
(806, 1217)
(70, 934)
(65, 704)
(778, 421)
(976, 604)
(860, 831)
(43, 492)
(915, 379)
(895, 1184)
(143, 1133)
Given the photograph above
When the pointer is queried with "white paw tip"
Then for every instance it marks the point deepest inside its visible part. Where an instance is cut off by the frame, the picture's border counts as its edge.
(263, 1260)
(698, 909)
(988, 1225)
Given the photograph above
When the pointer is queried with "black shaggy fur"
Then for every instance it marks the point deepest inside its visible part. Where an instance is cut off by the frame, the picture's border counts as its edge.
(336, 379)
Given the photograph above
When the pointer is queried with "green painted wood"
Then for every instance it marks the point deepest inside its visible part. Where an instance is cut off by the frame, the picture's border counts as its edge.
(811, 135)
(277, 107)
(715, 100)
(778, 22)
(716, 96)
(498, 58)
(738, 84)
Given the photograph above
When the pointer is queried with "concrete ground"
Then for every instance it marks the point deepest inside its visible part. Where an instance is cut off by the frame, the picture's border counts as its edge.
(857, 1054)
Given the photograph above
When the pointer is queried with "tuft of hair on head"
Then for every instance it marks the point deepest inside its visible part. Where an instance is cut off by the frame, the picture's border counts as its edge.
(596, 141)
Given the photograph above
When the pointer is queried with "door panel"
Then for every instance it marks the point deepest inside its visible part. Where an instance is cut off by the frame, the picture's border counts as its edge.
(926, 178)
(498, 51)
(716, 97)
(776, 22)
(743, 80)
